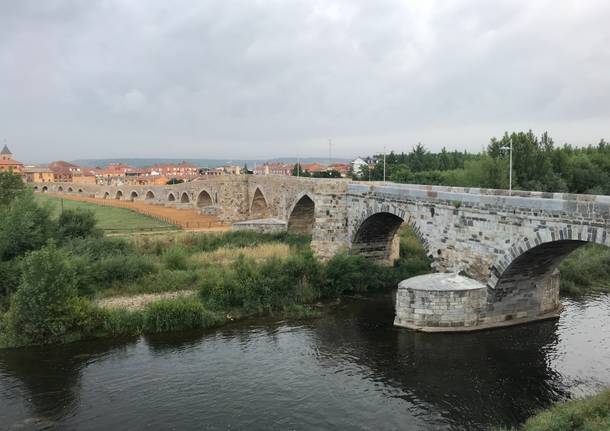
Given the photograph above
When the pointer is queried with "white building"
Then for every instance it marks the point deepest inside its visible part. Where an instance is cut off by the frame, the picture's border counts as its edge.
(357, 166)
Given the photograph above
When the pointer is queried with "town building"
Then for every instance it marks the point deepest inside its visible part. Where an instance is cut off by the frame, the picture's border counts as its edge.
(181, 170)
(8, 164)
(358, 165)
(38, 174)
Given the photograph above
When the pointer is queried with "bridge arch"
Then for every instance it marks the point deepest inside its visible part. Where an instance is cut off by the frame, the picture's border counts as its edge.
(204, 199)
(45, 189)
(70, 189)
(119, 195)
(302, 216)
(171, 197)
(35, 188)
(107, 195)
(80, 190)
(149, 195)
(259, 207)
(526, 278)
(60, 189)
(133, 196)
(184, 198)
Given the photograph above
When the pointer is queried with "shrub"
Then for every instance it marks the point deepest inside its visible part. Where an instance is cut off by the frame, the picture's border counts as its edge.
(176, 257)
(11, 186)
(45, 307)
(126, 268)
(178, 314)
(77, 224)
(354, 274)
(10, 274)
(98, 248)
(120, 322)
(24, 226)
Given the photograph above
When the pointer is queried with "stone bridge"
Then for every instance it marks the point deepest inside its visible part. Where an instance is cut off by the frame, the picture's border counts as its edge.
(510, 245)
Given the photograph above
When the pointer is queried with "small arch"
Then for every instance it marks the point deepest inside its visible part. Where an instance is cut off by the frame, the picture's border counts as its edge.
(45, 189)
(184, 198)
(133, 196)
(119, 195)
(106, 195)
(149, 195)
(374, 238)
(60, 189)
(35, 188)
(204, 199)
(80, 190)
(70, 189)
(302, 217)
(171, 197)
(259, 207)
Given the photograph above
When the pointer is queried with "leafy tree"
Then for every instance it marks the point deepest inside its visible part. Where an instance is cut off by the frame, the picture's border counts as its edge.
(77, 224)
(24, 226)
(45, 308)
(11, 185)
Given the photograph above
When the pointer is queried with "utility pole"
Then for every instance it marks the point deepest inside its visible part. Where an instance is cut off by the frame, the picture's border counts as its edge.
(384, 164)
(510, 170)
(298, 166)
(330, 152)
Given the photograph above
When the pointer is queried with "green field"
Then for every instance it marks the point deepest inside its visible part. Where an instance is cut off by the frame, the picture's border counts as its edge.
(109, 219)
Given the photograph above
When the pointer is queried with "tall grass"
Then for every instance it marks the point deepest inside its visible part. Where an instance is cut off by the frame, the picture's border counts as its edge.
(226, 255)
(586, 270)
(586, 414)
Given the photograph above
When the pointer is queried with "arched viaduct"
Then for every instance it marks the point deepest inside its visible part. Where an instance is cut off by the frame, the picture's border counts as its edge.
(511, 244)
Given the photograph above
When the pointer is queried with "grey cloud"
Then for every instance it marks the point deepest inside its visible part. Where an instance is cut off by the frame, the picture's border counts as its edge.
(240, 78)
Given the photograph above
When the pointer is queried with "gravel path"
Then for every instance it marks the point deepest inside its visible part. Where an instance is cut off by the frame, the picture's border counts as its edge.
(137, 302)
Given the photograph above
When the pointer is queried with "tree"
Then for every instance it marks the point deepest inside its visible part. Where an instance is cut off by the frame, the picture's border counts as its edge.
(297, 170)
(45, 307)
(11, 186)
(24, 226)
(77, 224)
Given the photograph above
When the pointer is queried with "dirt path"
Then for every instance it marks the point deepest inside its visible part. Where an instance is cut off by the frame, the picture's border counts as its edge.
(189, 219)
(137, 302)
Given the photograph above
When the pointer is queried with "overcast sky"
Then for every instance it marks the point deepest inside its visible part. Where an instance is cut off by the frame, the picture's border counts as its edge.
(260, 79)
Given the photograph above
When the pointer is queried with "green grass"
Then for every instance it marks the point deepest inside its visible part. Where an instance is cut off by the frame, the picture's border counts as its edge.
(586, 414)
(109, 219)
(586, 270)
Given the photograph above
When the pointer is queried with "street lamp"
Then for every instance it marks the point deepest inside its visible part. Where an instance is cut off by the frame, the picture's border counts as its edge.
(384, 165)
(510, 167)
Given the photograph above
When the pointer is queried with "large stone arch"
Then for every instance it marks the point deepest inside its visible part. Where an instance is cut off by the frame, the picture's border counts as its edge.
(524, 282)
(185, 198)
(204, 199)
(149, 195)
(259, 207)
(302, 216)
(133, 195)
(171, 197)
(119, 195)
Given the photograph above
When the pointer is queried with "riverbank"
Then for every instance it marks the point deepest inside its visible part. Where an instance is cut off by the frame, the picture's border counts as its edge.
(586, 414)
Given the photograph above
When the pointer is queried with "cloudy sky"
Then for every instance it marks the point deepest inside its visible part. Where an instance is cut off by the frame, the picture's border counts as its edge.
(267, 78)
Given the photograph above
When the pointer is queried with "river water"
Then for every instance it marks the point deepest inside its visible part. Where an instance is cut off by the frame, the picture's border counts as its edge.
(349, 369)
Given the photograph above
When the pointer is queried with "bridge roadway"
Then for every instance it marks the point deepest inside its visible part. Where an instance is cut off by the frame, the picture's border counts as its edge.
(511, 244)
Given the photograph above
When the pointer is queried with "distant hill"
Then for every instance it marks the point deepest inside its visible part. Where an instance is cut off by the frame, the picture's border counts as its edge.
(203, 163)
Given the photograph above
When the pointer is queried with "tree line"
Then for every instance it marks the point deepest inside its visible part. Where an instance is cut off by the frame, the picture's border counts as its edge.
(538, 164)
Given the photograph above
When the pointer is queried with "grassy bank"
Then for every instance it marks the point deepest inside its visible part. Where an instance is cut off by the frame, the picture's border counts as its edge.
(109, 219)
(586, 414)
(586, 270)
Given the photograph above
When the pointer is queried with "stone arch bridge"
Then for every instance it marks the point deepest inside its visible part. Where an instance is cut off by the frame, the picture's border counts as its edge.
(511, 245)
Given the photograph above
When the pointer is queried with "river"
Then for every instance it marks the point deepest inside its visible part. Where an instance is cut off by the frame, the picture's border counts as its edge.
(349, 369)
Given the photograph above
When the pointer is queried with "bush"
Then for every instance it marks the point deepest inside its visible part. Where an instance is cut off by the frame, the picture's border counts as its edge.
(77, 224)
(11, 186)
(177, 315)
(590, 414)
(176, 257)
(120, 322)
(98, 248)
(10, 274)
(346, 273)
(24, 226)
(126, 268)
(45, 308)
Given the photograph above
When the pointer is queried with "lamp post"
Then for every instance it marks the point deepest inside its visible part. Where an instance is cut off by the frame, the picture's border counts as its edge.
(510, 167)
(384, 165)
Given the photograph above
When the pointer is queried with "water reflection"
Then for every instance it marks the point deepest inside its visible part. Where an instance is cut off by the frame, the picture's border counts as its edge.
(471, 379)
(349, 369)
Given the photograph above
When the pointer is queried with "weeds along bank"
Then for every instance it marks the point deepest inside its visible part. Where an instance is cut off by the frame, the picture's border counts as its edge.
(587, 414)
(54, 269)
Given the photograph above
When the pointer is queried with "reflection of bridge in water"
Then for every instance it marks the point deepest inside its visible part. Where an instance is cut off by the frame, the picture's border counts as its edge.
(511, 244)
